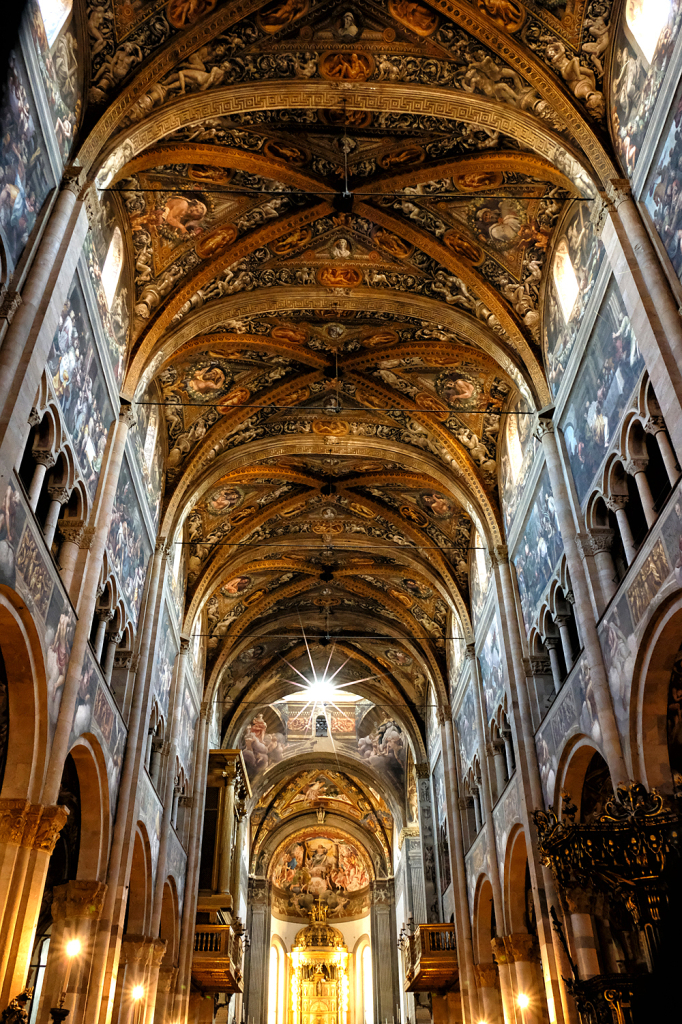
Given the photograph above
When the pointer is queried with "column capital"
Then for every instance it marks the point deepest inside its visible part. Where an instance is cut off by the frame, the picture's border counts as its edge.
(499, 948)
(551, 642)
(105, 614)
(88, 537)
(123, 660)
(60, 494)
(185, 643)
(73, 180)
(654, 424)
(9, 304)
(34, 417)
(78, 899)
(115, 638)
(158, 951)
(539, 665)
(444, 713)
(522, 947)
(601, 538)
(12, 820)
(48, 824)
(136, 949)
(163, 546)
(486, 975)
(617, 192)
(635, 466)
(500, 554)
(127, 415)
(422, 769)
(43, 457)
(167, 976)
(204, 709)
(616, 502)
(583, 542)
(470, 651)
(382, 892)
(544, 425)
(72, 530)
(578, 901)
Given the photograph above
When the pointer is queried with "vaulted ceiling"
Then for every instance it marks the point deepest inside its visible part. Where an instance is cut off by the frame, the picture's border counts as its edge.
(340, 219)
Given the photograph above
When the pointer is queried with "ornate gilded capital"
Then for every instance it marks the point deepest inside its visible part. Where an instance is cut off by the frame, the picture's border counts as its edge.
(12, 820)
(79, 899)
(52, 821)
(422, 770)
(499, 948)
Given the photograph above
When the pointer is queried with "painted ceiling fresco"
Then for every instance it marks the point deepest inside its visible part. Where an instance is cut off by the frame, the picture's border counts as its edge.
(340, 227)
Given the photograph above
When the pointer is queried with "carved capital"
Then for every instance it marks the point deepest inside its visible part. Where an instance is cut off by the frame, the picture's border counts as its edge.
(422, 770)
(9, 304)
(539, 665)
(500, 554)
(123, 660)
(486, 975)
(115, 638)
(185, 643)
(136, 949)
(616, 501)
(158, 951)
(34, 417)
(43, 458)
(12, 820)
(552, 642)
(444, 713)
(163, 546)
(48, 825)
(73, 180)
(499, 949)
(204, 709)
(578, 901)
(617, 192)
(88, 536)
(544, 425)
(522, 947)
(60, 494)
(602, 539)
(127, 415)
(258, 891)
(72, 530)
(167, 976)
(635, 466)
(654, 424)
(78, 899)
(106, 614)
(583, 542)
(471, 651)
(599, 213)
(409, 831)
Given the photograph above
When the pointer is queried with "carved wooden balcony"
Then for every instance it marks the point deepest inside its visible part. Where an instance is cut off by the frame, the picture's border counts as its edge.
(430, 958)
(218, 957)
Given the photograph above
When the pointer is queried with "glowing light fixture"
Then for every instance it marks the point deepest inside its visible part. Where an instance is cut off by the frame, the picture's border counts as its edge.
(523, 1001)
(73, 948)
(138, 992)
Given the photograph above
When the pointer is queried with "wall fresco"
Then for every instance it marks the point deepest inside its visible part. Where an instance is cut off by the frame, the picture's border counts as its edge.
(98, 249)
(188, 722)
(147, 448)
(444, 869)
(492, 673)
(127, 544)
(479, 575)
(636, 75)
(538, 551)
(97, 713)
(78, 381)
(176, 865)
(607, 376)
(518, 455)
(150, 813)
(432, 726)
(466, 728)
(578, 257)
(61, 71)
(506, 814)
(661, 195)
(26, 177)
(166, 652)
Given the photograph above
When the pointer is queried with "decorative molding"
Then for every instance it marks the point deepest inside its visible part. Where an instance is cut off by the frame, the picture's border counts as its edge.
(9, 304)
(407, 832)
(422, 770)
(12, 820)
(78, 899)
(72, 530)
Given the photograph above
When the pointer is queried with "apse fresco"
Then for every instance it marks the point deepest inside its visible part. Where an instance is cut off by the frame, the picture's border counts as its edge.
(78, 381)
(127, 544)
(25, 175)
(518, 455)
(492, 673)
(661, 194)
(61, 71)
(147, 447)
(574, 712)
(444, 869)
(466, 728)
(577, 258)
(643, 49)
(165, 660)
(609, 371)
(324, 865)
(539, 549)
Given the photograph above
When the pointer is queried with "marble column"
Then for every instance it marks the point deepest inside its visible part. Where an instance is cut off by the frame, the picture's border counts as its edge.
(175, 709)
(616, 503)
(72, 532)
(385, 976)
(489, 994)
(500, 765)
(104, 955)
(465, 950)
(192, 872)
(566, 642)
(58, 497)
(110, 472)
(579, 903)
(157, 953)
(76, 907)
(637, 469)
(136, 953)
(226, 830)
(103, 619)
(240, 842)
(613, 751)
(112, 642)
(509, 751)
(554, 962)
(164, 993)
(656, 425)
(551, 643)
(601, 542)
(522, 950)
(44, 461)
(256, 987)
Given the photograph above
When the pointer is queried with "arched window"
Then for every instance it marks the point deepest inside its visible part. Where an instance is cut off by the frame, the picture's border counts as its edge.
(646, 19)
(277, 984)
(54, 14)
(565, 279)
(111, 271)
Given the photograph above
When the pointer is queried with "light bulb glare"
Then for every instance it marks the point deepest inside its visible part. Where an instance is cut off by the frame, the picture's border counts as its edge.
(524, 1002)
(73, 947)
(138, 992)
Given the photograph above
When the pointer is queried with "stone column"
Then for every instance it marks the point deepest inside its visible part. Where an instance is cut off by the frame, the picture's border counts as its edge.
(422, 770)
(164, 994)
(637, 469)
(13, 350)
(601, 541)
(465, 950)
(544, 889)
(551, 643)
(113, 640)
(44, 461)
(583, 606)
(40, 831)
(86, 608)
(239, 844)
(103, 620)
(58, 497)
(76, 907)
(579, 903)
(656, 425)
(500, 764)
(566, 642)
(71, 531)
(384, 949)
(416, 873)
(509, 751)
(157, 953)
(256, 987)
(126, 791)
(136, 953)
(192, 873)
(175, 708)
(616, 503)
(522, 950)
(225, 830)
(488, 993)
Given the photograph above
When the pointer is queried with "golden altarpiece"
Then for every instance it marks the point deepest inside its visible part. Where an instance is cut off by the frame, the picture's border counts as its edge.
(319, 972)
